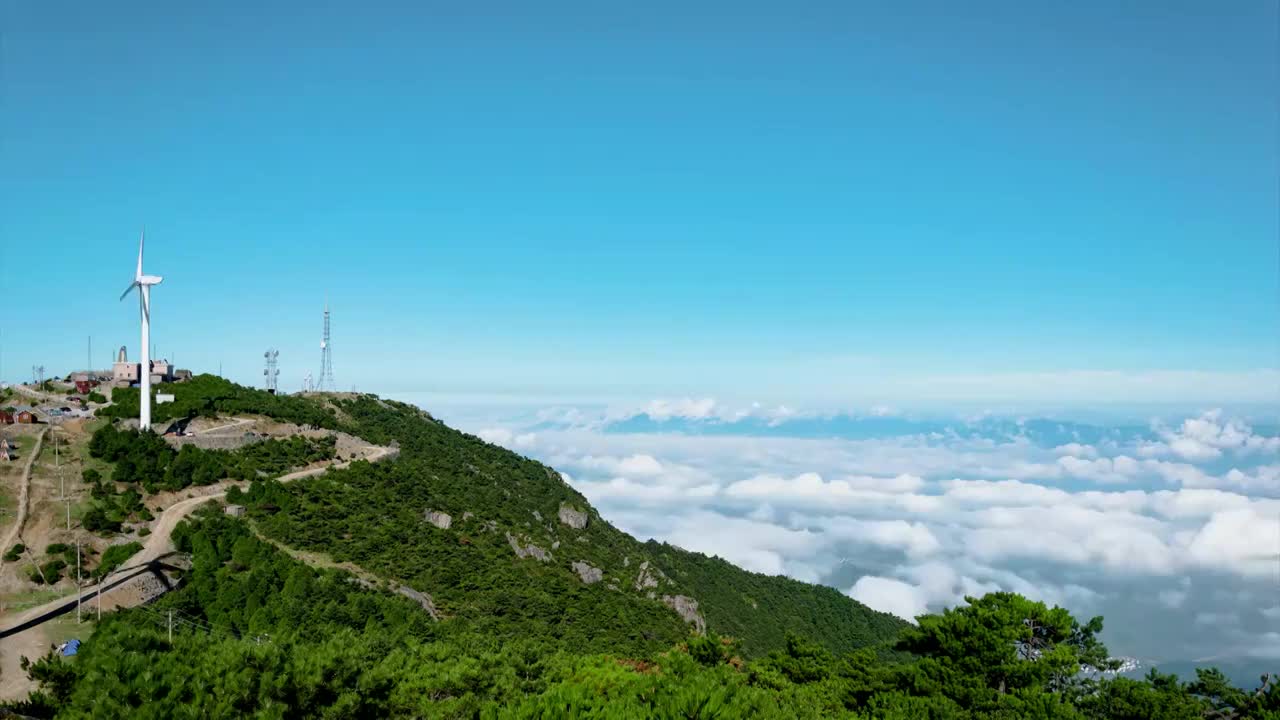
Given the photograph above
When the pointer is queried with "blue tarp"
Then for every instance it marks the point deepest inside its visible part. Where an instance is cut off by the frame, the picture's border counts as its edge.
(70, 647)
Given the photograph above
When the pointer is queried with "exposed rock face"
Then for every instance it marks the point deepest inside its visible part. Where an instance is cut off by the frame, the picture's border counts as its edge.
(588, 574)
(687, 608)
(555, 545)
(648, 577)
(572, 517)
(537, 516)
(439, 519)
(421, 598)
(529, 550)
(468, 515)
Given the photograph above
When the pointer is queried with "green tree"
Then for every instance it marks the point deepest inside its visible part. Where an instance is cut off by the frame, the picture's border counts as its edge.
(997, 645)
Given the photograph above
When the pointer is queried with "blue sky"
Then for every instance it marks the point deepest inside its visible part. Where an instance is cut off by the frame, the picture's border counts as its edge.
(741, 199)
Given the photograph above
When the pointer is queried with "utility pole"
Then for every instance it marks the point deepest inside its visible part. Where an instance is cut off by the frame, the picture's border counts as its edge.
(79, 581)
(62, 479)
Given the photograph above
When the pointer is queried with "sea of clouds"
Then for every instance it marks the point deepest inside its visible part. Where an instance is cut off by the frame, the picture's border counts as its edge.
(1168, 528)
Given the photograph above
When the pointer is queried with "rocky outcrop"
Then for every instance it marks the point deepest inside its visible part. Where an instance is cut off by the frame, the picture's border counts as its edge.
(441, 520)
(648, 577)
(687, 608)
(529, 550)
(423, 599)
(588, 574)
(573, 517)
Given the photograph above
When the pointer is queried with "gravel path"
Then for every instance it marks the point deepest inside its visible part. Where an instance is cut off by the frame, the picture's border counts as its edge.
(24, 494)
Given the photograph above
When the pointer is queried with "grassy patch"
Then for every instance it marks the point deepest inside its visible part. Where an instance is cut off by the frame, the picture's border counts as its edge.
(64, 627)
(18, 601)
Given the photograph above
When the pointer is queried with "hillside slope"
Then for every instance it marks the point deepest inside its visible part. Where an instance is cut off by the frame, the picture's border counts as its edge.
(523, 552)
(504, 545)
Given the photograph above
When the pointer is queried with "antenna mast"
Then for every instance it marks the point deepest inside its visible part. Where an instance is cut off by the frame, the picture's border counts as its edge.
(325, 381)
(271, 373)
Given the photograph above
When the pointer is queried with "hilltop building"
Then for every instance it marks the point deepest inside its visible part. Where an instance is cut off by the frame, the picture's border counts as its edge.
(124, 372)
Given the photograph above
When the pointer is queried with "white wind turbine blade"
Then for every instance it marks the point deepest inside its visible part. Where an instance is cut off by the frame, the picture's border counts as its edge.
(142, 238)
(128, 290)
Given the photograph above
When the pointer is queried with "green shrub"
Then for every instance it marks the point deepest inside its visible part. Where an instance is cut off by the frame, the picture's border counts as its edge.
(53, 570)
(114, 557)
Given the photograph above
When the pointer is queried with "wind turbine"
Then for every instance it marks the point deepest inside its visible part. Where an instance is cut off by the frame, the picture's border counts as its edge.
(144, 283)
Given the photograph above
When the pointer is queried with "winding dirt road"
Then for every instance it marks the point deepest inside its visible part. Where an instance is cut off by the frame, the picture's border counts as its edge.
(21, 631)
(158, 543)
(24, 495)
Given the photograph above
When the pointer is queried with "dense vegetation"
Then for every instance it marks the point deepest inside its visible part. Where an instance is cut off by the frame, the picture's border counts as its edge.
(522, 634)
(258, 634)
(144, 460)
(762, 610)
(210, 395)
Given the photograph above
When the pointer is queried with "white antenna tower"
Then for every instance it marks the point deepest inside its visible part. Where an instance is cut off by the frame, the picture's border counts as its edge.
(271, 374)
(325, 381)
(37, 375)
(306, 383)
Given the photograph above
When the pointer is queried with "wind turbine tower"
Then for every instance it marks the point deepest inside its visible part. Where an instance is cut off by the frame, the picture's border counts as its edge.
(325, 381)
(143, 283)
